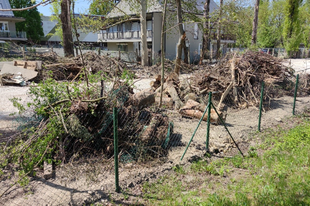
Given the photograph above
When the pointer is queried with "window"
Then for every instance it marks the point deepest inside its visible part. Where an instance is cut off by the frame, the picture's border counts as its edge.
(4, 26)
(122, 47)
(149, 25)
(1, 7)
(135, 26)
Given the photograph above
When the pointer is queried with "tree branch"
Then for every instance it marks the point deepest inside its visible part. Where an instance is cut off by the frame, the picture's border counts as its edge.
(30, 7)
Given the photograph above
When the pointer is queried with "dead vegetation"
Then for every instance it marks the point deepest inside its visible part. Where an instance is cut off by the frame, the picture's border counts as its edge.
(235, 81)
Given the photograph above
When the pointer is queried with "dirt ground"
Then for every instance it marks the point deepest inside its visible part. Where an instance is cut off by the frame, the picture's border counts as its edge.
(92, 180)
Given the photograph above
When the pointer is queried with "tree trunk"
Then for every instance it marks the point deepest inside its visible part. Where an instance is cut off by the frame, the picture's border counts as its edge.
(144, 53)
(162, 47)
(182, 38)
(185, 49)
(206, 33)
(218, 36)
(255, 22)
(65, 18)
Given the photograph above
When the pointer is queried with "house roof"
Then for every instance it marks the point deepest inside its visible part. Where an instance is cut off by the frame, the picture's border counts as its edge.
(5, 5)
(131, 7)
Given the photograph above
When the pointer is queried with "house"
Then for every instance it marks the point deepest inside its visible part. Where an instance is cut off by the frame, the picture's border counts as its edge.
(7, 24)
(125, 36)
(51, 38)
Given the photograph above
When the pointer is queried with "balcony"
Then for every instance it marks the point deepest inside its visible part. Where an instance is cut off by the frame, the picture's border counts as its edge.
(12, 35)
(120, 35)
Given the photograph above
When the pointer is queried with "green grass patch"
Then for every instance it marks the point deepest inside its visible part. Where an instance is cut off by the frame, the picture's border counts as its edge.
(280, 176)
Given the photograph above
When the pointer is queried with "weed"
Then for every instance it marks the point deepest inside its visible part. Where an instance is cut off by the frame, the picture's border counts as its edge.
(179, 169)
(252, 152)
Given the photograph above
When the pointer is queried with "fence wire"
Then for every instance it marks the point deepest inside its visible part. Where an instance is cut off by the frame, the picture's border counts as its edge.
(72, 164)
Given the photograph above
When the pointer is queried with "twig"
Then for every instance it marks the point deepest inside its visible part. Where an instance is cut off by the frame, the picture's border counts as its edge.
(67, 100)
(63, 122)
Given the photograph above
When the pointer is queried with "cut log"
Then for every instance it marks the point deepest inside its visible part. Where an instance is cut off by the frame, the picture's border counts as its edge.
(194, 109)
(143, 99)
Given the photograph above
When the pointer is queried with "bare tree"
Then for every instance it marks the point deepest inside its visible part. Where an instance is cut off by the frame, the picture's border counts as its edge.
(206, 33)
(162, 46)
(182, 38)
(144, 54)
(65, 17)
(255, 22)
(218, 35)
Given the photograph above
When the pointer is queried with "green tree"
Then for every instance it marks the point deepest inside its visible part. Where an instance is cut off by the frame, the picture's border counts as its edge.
(292, 28)
(270, 27)
(101, 7)
(32, 24)
(237, 22)
(305, 23)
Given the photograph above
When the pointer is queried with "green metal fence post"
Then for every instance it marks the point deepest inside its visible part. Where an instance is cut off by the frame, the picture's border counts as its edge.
(208, 121)
(295, 93)
(115, 127)
(261, 105)
(195, 131)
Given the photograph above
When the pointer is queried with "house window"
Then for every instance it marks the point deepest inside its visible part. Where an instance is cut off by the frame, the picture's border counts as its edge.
(149, 25)
(4, 26)
(1, 7)
(196, 31)
(122, 47)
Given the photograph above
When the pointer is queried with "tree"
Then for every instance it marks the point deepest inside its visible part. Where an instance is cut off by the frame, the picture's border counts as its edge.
(182, 37)
(237, 21)
(218, 35)
(206, 31)
(255, 23)
(32, 24)
(292, 29)
(101, 7)
(305, 23)
(270, 24)
(144, 53)
(65, 17)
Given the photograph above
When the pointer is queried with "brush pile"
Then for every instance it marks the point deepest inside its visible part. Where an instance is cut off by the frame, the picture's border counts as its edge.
(235, 81)
(68, 68)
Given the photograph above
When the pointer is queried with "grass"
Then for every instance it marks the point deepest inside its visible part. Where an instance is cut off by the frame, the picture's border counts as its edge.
(278, 176)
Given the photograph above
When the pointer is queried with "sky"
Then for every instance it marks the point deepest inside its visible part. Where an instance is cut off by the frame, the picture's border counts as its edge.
(81, 6)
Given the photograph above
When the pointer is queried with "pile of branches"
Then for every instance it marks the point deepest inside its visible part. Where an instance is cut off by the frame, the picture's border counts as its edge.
(241, 78)
(71, 124)
(153, 71)
(63, 68)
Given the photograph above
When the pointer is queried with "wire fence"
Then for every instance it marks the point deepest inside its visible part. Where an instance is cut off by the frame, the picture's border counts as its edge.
(64, 152)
